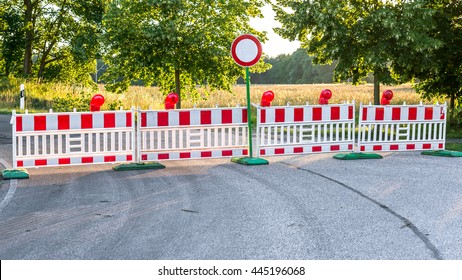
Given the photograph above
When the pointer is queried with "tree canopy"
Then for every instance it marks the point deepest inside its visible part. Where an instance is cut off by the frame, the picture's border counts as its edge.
(393, 39)
(54, 39)
(176, 43)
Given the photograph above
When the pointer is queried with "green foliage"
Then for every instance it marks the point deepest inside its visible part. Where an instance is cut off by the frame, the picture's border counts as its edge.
(297, 68)
(51, 40)
(154, 40)
(396, 40)
(81, 102)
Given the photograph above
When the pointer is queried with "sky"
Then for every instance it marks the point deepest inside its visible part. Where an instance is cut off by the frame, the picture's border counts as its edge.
(275, 45)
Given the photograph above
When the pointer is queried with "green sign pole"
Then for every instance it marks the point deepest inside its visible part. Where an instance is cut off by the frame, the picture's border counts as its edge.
(247, 83)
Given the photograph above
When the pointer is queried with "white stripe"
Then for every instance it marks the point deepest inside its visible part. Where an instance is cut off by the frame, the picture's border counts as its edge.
(98, 120)
(195, 117)
(75, 121)
(289, 114)
(216, 117)
(52, 122)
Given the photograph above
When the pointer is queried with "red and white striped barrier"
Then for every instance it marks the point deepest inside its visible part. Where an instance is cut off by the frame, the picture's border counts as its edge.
(305, 129)
(53, 139)
(192, 134)
(402, 128)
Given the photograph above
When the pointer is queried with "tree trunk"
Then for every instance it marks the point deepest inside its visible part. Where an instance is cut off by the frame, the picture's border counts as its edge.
(43, 61)
(376, 90)
(178, 88)
(28, 23)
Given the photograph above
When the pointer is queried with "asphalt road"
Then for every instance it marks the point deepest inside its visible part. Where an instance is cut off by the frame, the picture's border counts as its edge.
(405, 206)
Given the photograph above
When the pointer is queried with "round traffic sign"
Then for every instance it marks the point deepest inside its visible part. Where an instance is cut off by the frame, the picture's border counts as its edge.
(246, 50)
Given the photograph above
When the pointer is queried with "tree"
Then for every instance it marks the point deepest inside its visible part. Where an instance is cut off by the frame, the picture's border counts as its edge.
(362, 35)
(178, 44)
(57, 35)
(11, 41)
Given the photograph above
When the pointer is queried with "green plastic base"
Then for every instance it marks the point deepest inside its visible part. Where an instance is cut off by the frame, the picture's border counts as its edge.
(354, 156)
(442, 153)
(138, 166)
(11, 174)
(250, 161)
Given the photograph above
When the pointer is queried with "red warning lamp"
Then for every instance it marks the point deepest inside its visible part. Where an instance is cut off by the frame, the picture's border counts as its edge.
(386, 97)
(170, 101)
(325, 96)
(96, 102)
(267, 98)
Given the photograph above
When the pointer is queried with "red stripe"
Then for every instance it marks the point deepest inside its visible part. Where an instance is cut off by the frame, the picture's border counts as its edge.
(109, 120)
(163, 156)
(350, 147)
(86, 121)
(279, 151)
(412, 114)
(440, 146)
(335, 113)
(280, 115)
(20, 163)
(335, 148)
(63, 122)
(298, 150)
(144, 157)
(18, 123)
(206, 117)
(87, 160)
(377, 148)
(263, 116)
(364, 114)
(317, 114)
(396, 114)
(128, 119)
(428, 113)
(317, 149)
(394, 147)
(185, 118)
(262, 152)
(40, 123)
(298, 114)
(64, 161)
(129, 157)
(41, 162)
(410, 146)
(379, 114)
(427, 146)
(109, 159)
(227, 153)
(206, 154)
(362, 148)
(162, 118)
(244, 115)
(144, 121)
(245, 152)
(185, 155)
(226, 116)
(350, 112)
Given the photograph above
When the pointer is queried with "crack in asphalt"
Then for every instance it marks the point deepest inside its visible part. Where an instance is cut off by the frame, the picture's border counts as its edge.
(407, 223)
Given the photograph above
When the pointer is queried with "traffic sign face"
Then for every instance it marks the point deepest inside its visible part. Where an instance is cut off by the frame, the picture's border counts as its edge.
(246, 50)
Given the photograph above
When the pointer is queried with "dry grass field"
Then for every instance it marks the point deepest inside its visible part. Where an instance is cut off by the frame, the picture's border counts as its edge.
(293, 94)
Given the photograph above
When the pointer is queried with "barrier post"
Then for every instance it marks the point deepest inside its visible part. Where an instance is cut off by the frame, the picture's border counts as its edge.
(15, 173)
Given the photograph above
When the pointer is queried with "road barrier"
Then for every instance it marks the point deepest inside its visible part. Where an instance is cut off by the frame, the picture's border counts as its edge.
(305, 129)
(192, 134)
(54, 139)
(402, 128)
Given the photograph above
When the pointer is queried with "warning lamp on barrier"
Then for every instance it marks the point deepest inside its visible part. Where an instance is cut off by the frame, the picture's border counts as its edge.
(96, 102)
(325, 96)
(170, 101)
(267, 98)
(386, 97)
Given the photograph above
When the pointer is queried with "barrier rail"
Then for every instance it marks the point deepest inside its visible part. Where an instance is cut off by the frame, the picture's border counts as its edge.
(402, 128)
(53, 139)
(305, 129)
(192, 134)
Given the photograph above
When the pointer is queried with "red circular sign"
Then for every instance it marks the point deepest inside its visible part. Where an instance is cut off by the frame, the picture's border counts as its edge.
(246, 50)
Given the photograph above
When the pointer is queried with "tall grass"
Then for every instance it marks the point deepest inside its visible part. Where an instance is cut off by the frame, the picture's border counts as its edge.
(45, 96)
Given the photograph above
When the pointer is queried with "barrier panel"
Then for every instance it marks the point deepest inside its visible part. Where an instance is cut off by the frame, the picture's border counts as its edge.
(402, 128)
(305, 129)
(54, 139)
(192, 134)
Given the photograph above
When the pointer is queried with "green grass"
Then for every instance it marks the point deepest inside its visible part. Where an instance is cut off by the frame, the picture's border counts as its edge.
(454, 147)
